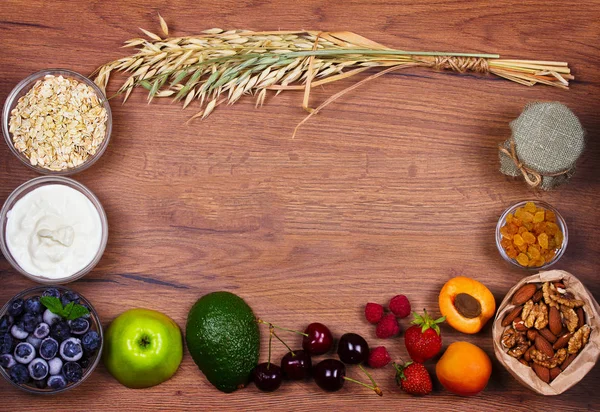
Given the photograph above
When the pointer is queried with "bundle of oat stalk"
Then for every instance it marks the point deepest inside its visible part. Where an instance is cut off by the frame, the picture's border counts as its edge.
(221, 66)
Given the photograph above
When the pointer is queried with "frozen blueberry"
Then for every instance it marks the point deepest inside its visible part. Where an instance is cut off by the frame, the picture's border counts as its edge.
(79, 326)
(51, 292)
(55, 366)
(6, 343)
(68, 297)
(19, 374)
(41, 331)
(72, 371)
(38, 369)
(29, 322)
(60, 331)
(50, 318)
(40, 384)
(35, 342)
(18, 331)
(57, 382)
(33, 305)
(7, 361)
(91, 341)
(71, 350)
(84, 361)
(24, 352)
(48, 348)
(16, 307)
(6, 322)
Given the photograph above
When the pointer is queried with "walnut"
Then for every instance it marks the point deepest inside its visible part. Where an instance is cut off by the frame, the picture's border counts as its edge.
(535, 314)
(520, 347)
(509, 338)
(570, 318)
(546, 361)
(553, 297)
(579, 339)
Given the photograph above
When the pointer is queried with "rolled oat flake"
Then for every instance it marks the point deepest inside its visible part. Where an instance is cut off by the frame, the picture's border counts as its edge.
(547, 139)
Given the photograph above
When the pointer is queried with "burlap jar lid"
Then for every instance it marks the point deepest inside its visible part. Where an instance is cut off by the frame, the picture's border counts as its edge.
(547, 139)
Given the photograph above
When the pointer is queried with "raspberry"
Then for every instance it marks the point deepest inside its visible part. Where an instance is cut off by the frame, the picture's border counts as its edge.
(400, 306)
(387, 327)
(379, 357)
(373, 312)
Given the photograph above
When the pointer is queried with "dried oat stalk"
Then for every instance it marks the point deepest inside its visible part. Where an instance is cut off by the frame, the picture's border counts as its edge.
(220, 66)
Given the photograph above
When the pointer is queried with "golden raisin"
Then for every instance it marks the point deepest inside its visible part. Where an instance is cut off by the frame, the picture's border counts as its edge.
(527, 217)
(505, 242)
(505, 233)
(539, 228)
(509, 218)
(522, 230)
(528, 237)
(558, 238)
(543, 240)
(530, 207)
(550, 216)
(551, 228)
(518, 240)
(523, 247)
(539, 217)
(523, 259)
(513, 228)
(533, 251)
(511, 252)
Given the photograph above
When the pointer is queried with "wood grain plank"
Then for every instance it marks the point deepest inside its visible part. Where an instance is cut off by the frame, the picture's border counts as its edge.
(392, 189)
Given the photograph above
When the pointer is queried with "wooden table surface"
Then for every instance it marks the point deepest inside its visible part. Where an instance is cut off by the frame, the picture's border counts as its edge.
(393, 189)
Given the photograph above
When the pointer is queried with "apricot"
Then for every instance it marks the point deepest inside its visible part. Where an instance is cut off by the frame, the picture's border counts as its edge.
(467, 304)
(464, 369)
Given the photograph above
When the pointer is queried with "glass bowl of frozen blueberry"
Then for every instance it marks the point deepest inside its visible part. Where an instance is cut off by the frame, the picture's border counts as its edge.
(50, 339)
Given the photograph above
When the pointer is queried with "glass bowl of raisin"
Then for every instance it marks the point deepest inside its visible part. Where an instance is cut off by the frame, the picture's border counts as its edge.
(531, 235)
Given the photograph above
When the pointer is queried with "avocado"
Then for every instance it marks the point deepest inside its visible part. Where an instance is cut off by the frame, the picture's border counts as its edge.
(223, 338)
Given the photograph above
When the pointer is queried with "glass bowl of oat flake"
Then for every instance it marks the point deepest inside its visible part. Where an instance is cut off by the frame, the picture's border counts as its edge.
(57, 121)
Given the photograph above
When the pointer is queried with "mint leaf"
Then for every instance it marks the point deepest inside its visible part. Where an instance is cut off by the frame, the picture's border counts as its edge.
(53, 304)
(77, 311)
(67, 310)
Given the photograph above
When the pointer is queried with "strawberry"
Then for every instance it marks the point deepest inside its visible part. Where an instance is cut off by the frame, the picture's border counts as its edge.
(413, 378)
(423, 340)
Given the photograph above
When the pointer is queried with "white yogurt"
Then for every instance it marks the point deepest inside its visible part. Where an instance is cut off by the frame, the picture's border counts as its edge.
(53, 231)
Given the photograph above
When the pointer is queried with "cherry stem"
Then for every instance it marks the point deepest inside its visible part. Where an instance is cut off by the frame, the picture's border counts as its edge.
(373, 388)
(280, 340)
(270, 344)
(362, 368)
(279, 327)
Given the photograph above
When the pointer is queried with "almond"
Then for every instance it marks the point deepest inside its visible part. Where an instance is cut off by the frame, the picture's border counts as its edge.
(559, 285)
(568, 361)
(527, 354)
(510, 316)
(550, 337)
(541, 372)
(554, 321)
(554, 372)
(524, 293)
(537, 296)
(580, 318)
(519, 325)
(562, 341)
(543, 346)
(524, 362)
(531, 334)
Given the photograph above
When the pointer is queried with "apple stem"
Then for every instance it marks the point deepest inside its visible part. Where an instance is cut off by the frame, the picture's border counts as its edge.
(279, 327)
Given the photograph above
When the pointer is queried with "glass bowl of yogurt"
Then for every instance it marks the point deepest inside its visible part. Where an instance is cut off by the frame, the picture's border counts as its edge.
(53, 229)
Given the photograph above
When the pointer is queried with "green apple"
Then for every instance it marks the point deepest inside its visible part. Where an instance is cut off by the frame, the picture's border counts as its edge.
(142, 348)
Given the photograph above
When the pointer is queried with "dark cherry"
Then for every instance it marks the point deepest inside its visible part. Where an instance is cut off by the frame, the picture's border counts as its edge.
(353, 349)
(319, 340)
(267, 377)
(329, 374)
(296, 365)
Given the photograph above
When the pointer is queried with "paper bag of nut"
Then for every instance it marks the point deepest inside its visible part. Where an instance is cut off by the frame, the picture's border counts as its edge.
(547, 332)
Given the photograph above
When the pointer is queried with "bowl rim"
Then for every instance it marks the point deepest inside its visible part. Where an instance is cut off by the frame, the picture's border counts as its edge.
(11, 101)
(98, 355)
(559, 220)
(45, 180)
